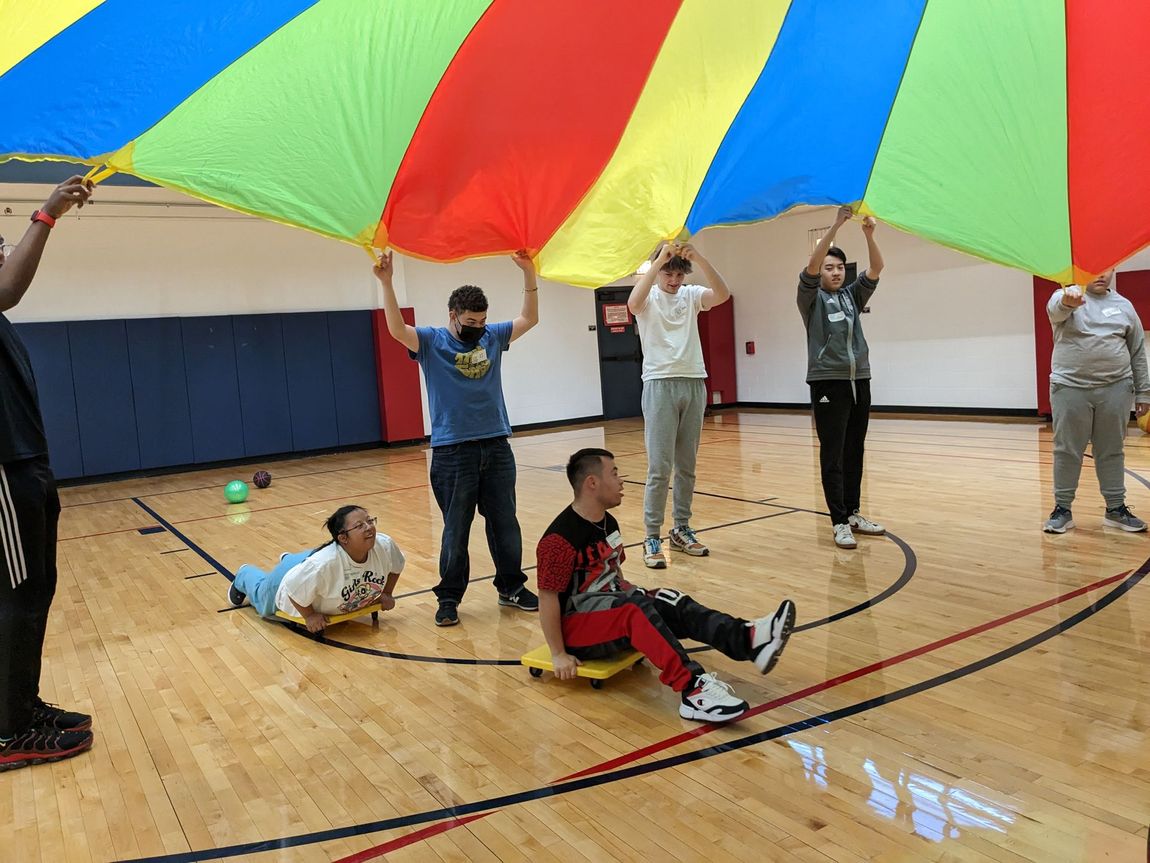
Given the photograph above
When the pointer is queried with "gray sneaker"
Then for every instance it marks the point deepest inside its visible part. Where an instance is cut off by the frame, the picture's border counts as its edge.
(1123, 518)
(1060, 520)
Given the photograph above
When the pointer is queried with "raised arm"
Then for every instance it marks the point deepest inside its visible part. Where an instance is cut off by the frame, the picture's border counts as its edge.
(815, 264)
(874, 270)
(529, 314)
(638, 298)
(716, 292)
(20, 267)
(400, 330)
(1063, 302)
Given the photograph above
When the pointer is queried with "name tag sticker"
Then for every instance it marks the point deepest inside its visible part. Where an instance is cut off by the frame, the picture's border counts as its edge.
(479, 355)
(614, 539)
(1111, 312)
(835, 317)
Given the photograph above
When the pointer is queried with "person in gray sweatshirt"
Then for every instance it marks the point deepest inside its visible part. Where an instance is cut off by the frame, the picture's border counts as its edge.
(1097, 370)
(838, 372)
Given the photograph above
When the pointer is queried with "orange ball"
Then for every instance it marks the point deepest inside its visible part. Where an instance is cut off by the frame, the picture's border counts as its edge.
(1144, 422)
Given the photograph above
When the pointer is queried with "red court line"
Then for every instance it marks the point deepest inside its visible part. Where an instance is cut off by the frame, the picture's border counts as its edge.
(411, 838)
(841, 679)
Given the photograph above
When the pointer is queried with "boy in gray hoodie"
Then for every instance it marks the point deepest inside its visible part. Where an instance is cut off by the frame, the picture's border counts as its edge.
(1098, 368)
(838, 372)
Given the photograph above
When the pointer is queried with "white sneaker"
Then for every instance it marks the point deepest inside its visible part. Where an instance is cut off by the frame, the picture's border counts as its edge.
(862, 524)
(653, 555)
(843, 536)
(711, 700)
(769, 636)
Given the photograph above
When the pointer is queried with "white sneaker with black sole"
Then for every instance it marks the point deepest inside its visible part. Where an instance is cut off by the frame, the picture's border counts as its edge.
(708, 699)
(769, 636)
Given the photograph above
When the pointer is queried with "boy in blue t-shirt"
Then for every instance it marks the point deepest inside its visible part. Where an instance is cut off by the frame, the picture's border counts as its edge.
(472, 466)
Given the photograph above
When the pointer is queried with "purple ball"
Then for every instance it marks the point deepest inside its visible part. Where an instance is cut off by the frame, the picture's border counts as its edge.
(262, 479)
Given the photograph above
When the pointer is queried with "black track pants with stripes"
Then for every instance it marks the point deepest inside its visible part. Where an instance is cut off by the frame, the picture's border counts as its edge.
(29, 515)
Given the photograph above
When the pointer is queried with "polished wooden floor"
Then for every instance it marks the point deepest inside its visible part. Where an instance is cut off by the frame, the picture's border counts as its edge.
(967, 689)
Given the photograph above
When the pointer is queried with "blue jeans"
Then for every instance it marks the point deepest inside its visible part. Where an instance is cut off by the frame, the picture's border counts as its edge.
(261, 587)
(469, 475)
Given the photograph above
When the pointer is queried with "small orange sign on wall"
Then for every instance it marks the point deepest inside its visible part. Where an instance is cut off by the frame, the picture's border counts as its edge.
(616, 314)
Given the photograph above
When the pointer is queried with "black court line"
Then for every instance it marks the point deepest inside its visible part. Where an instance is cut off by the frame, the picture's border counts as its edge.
(175, 550)
(211, 561)
(596, 780)
(374, 651)
(198, 575)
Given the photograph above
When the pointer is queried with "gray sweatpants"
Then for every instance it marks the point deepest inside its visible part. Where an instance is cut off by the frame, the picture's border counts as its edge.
(1098, 415)
(673, 420)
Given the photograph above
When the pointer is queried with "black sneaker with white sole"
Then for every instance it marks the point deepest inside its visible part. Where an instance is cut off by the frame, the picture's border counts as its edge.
(447, 614)
(708, 699)
(523, 599)
(236, 596)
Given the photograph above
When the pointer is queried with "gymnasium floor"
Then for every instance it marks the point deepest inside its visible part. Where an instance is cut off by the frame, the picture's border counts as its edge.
(966, 689)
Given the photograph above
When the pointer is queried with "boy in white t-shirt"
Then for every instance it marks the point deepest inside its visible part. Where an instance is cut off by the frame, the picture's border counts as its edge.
(358, 567)
(674, 389)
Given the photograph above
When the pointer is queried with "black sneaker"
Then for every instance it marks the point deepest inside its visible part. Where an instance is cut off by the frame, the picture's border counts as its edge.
(446, 614)
(236, 596)
(53, 718)
(41, 745)
(523, 599)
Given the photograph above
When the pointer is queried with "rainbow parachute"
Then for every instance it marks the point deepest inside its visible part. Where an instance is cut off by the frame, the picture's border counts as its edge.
(587, 130)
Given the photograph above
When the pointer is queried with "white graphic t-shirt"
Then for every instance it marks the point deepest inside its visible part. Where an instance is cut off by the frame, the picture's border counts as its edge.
(332, 583)
(669, 332)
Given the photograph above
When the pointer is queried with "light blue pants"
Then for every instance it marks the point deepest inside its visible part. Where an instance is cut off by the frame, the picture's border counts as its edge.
(672, 425)
(261, 587)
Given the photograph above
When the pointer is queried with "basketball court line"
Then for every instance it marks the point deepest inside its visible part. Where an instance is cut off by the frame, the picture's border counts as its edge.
(494, 803)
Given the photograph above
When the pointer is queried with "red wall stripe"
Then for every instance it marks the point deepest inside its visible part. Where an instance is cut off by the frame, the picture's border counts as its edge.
(400, 398)
(1108, 103)
(522, 124)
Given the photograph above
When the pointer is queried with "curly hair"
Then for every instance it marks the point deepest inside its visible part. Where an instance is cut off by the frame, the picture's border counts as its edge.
(677, 265)
(467, 298)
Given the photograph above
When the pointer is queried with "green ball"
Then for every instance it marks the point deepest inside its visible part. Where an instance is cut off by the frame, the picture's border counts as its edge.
(236, 491)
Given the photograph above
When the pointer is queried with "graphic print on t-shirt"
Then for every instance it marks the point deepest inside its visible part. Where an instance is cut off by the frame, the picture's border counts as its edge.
(361, 593)
(474, 364)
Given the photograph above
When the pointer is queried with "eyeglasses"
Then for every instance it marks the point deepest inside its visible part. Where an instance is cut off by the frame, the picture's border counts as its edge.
(362, 526)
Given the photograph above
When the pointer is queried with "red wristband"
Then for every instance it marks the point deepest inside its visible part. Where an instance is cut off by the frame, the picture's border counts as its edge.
(41, 216)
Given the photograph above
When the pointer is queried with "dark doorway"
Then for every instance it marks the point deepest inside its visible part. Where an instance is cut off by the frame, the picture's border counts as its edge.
(620, 355)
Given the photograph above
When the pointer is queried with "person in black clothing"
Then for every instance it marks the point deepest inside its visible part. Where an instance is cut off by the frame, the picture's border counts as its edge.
(838, 372)
(588, 610)
(31, 731)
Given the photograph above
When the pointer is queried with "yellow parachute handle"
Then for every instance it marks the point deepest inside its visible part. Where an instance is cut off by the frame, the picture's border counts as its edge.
(98, 174)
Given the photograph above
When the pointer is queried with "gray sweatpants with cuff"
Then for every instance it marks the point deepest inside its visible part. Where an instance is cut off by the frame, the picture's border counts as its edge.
(672, 425)
(1098, 415)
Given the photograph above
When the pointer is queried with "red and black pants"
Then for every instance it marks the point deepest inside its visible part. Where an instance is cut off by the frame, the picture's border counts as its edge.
(653, 622)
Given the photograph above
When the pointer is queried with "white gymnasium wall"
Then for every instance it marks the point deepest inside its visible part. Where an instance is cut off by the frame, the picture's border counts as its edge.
(944, 329)
(144, 252)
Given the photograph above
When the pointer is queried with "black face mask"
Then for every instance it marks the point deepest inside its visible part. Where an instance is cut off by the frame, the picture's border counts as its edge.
(471, 334)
